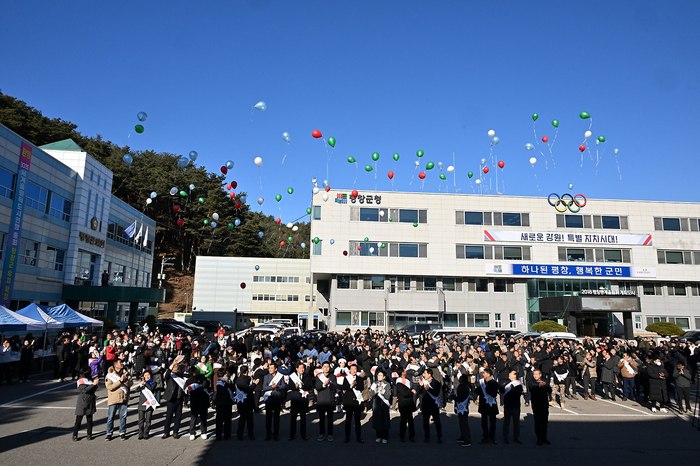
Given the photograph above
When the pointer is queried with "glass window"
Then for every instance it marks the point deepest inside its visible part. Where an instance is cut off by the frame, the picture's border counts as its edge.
(28, 252)
(450, 320)
(408, 216)
(448, 284)
(343, 282)
(482, 284)
(674, 257)
(672, 224)
(575, 255)
(683, 322)
(474, 252)
(377, 282)
(473, 218)
(36, 196)
(369, 249)
(574, 221)
(429, 283)
(649, 289)
(7, 183)
(368, 214)
(512, 253)
(611, 223)
(481, 320)
(499, 286)
(511, 219)
(317, 212)
(317, 248)
(408, 250)
(678, 289)
(60, 207)
(54, 258)
(612, 255)
(342, 318)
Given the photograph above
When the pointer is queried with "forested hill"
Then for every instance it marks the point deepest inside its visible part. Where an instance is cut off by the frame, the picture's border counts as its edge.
(159, 171)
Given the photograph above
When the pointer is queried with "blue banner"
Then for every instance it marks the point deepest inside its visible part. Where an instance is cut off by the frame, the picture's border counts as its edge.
(572, 270)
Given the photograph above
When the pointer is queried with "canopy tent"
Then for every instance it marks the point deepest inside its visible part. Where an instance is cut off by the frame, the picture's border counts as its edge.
(71, 318)
(37, 312)
(14, 322)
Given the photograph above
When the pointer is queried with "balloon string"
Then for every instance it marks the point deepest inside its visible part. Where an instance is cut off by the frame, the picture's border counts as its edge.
(618, 165)
(413, 176)
(375, 175)
(357, 168)
(285, 156)
(536, 181)
(554, 165)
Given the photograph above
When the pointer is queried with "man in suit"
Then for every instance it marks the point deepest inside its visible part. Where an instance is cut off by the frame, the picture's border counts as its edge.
(512, 392)
(539, 398)
(430, 405)
(325, 386)
(174, 397)
(487, 389)
(274, 391)
(353, 385)
(245, 403)
(300, 387)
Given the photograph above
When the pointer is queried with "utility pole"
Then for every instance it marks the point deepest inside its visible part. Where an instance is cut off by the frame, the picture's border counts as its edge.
(164, 261)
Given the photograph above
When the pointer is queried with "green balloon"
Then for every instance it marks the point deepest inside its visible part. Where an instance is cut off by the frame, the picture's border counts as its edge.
(383, 245)
(308, 210)
(535, 117)
(415, 225)
(278, 197)
(368, 168)
(201, 200)
(206, 221)
(139, 129)
(183, 193)
(351, 159)
(331, 142)
(290, 239)
(391, 219)
(316, 240)
(601, 138)
(584, 115)
(396, 157)
(429, 166)
(366, 239)
(290, 190)
(230, 226)
(555, 123)
(442, 176)
(375, 156)
(420, 153)
(470, 174)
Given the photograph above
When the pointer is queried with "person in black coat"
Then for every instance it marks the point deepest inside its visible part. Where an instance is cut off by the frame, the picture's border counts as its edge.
(325, 385)
(407, 405)
(461, 399)
(245, 403)
(145, 408)
(539, 398)
(63, 353)
(198, 392)
(275, 392)
(301, 386)
(85, 405)
(487, 389)
(352, 386)
(224, 404)
(512, 392)
(174, 397)
(658, 391)
(430, 405)
(26, 359)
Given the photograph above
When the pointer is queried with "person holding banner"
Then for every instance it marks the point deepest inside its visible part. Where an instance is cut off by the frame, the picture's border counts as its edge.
(487, 389)
(118, 383)
(352, 387)
(407, 405)
(381, 407)
(430, 405)
(174, 396)
(85, 406)
(301, 387)
(147, 404)
(274, 393)
(512, 393)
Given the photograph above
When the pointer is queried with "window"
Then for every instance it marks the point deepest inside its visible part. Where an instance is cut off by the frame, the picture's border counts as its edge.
(307, 298)
(474, 252)
(610, 222)
(612, 255)
(308, 280)
(429, 283)
(28, 252)
(652, 289)
(448, 284)
(317, 248)
(637, 322)
(454, 320)
(511, 219)
(573, 221)
(408, 250)
(671, 224)
(502, 285)
(368, 214)
(400, 284)
(111, 228)
(512, 323)
(36, 196)
(369, 249)
(512, 253)
(682, 322)
(473, 218)
(478, 284)
(7, 183)
(408, 216)
(497, 320)
(676, 289)
(347, 282)
(575, 255)
(627, 286)
(673, 257)
(342, 318)
(54, 258)
(118, 274)
(60, 207)
(374, 283)
(477, 320)
(372, 319)
(317, 212)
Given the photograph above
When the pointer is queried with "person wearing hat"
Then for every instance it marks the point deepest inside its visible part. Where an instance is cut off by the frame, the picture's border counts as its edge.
(85, 405)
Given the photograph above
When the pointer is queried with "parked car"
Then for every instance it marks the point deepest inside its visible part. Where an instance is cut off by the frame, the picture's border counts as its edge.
(691, 336)
(272, 331)
(440, 334)
(167, 328)
(559, 336)
(520, 335)
(499, 332)
(211, 325)
(282, 322)
(195, 328)
(414, 330)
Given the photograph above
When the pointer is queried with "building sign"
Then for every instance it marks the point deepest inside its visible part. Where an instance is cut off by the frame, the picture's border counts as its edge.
(100, 243)
(15, 233)
(612, 304)
(602, 271)
(369, 199)
(566, 238)
(608, 293)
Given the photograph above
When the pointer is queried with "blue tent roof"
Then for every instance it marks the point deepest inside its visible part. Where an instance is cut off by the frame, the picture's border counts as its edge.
(71, 318)
(37, 312)
(13, 322)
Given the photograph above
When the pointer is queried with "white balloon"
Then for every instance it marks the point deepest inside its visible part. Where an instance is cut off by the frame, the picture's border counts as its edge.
(325, 196)
(381, 213)
(533, 160)
(616, 151)
(316, 190)
(258, 161)
(295, 228)
(478, 182)
(450, 169)
(588, 134)
(149, 200)
(215, 216)
(290, 225)
(492, 133)
(416, 163)
(371, 250)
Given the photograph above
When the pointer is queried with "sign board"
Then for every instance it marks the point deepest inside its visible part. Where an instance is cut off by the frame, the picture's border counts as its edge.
(566, 238)
(610, 271)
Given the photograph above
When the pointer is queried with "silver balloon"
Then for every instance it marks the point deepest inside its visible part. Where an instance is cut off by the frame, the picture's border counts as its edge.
(260, 200)
(483, 161)
(325, 183)
(229, 164)
(495, 141)
(416, 163)
(285, 136)
(478, 182)
(597, 143)
(440, 165)
(193, 155)
(616, 151)
(260, 106)
(173, 191)
(529, 146)
(571, 186)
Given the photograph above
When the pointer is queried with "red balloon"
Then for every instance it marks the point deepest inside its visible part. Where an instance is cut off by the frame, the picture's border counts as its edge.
(228, 187)
(238, 205)
(224, 170)
(279, 220)
(176, 208)
(232, 194)
(281, 244)
(234, 185)
(316, 133)
(486, 170)
(390, 175)
(421, 175)
(345, 253)
(501, 164)
(581, 147)
(180, 222)
(328, 189)
(359, 248)
(354, 193)
(243, 285)
(545, 139)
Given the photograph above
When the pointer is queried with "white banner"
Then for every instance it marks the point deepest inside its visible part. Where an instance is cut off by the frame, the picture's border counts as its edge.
(566, 238)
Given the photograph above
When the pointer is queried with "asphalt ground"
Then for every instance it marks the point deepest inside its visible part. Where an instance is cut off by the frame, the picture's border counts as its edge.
(36, 421)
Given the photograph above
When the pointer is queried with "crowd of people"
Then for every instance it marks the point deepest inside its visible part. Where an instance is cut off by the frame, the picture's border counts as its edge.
(348, 373)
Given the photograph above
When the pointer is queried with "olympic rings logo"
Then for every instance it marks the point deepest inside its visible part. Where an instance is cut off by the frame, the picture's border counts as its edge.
(562, 204)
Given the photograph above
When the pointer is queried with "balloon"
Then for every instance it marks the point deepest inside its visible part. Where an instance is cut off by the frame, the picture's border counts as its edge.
(584, 115)
(176, 208)
(545, 139)
(381, 213)
(354, 193)
(243, 283)
(193, 155)
(581, 147)
(316, 240)
(331, 142)
(351, 159)
(260, 200)
(315, 190)
(215, 216)
(368, 168)
(316, 134)
(278, 197)
(587, 134)
(450, 169)
(533, 160)
(483, 161)
(535, 117)
(324, 197)
(415, 225)
(191, 187)
(141, 116)
(228, 187)
(285, 136)
(555, 123)
(243, 198)
(180, 222)
(440, 165)
(183, 193)
(495, 141)
(149, 200)
(224, 170)
(290, 190)
(260, 235)
(201, 200)
(229, 164)
(290, 225)
(442, 176)
(383, 245)
(328, 188)
(470, 174)
(416, 163)
(571, 186)
(529, 146)
(597, 142)
(281, 243)
(325, 183)
(261, 106)
(237, 205)
(237, 222)
(345, 253)
(153, 195)
(173, 191)
(420, 153)
(139, 129)
(332, 241)
(234, 184)
(491, 133)
(396, 157)
(206, 222)
(371, 250)
(391, 219)
(478, 182)
(295, 228)
(303, 245)
(390, 175)
(289, 238)
(429, 166)
(213, 224)
(616, 151)
(182, 162)
(501, 164)
(366, 239)
(486, 170)
(421, 175)
(257, 267)
(308, 210)
(128, 159)
(359, 248)
(230, 226)
(258, 161)
(601, 138)
(375, 156)
(279, 220)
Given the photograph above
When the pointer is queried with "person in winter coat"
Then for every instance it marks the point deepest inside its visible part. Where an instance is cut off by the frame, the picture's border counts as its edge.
(325, 385)
(381, 407)
(85, 405)
(197, 389)
(407, 405)
(658, 393)
(487, 389)
(301, 388)
(512, 393)
(245, 403)
(146, 407)
(26, 359)
(352, 386)
(63, 353)
(539, 398)
(682, 378)
(118, 383)
(223, 403)
(607, 376)
(589, 376)
(628, 369)
(461, 406)
(174, 397)
(430, 405)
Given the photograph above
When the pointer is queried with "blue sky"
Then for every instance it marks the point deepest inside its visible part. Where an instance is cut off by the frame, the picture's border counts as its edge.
(380, 77)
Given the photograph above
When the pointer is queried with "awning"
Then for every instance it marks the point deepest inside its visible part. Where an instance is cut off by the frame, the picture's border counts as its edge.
(13, 322)
(71, 318)
(36, 312)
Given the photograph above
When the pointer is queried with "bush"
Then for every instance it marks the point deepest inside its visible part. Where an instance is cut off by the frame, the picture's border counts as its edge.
(109, 325)
(545, 326)
(665, 329)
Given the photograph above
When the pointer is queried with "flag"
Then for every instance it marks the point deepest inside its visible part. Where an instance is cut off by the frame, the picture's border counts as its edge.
(139, 235)
(130, 230)
(145, 237)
